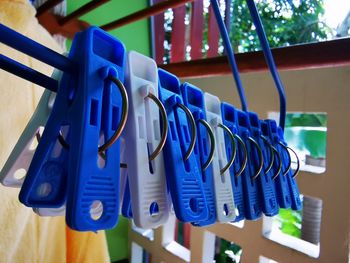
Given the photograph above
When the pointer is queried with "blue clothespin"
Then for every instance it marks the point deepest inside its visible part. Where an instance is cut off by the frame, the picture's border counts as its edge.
(92, 102)
(203, 150)
(126, 205)
(265, 182)
(182, 172)
(290, 176)
(281, 184)
(252, 195)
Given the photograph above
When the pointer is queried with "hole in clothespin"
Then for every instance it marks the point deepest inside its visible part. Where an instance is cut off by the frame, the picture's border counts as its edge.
(154, 209)
(96, 210)
(194, 205)
(226, 210)
(44, 189)
(20, 174)
(101, 162)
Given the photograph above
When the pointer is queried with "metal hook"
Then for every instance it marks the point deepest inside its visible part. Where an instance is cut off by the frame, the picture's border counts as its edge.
(289, 158)
(272, 156)
(261, 157)
(193, 129)
(232, 138)
(60, 137)
(125, 109)
(164, 125)
(212, 143)
(298, 162)
(279, 163)
(245, 158)
(119, 130)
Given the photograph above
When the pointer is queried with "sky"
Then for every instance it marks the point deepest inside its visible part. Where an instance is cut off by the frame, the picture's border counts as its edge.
(335, 11)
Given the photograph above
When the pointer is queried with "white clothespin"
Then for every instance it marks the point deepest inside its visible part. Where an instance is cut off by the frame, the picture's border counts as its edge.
(225, 206)
(16, 166)
(142, 134)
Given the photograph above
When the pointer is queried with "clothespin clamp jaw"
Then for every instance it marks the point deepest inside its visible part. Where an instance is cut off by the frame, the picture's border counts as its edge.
(93, 104)
(253, 206)
(145, 141)
(224, 197)
(182, 171)
(204, 149)
(229, 118)
(265, 182)
(282, 191)
(296, 203)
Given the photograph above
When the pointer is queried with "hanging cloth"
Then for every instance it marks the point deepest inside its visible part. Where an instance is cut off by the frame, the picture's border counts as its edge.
(26, 237)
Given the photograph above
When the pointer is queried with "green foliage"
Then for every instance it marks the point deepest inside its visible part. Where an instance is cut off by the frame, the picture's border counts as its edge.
(290, 222)
(306, 120)
(286, 22)
(228, 252)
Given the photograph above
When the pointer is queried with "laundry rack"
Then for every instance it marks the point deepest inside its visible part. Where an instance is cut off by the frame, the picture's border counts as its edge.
(249, 236)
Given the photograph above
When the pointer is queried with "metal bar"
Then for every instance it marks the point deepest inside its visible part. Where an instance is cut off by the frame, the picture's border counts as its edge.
(213, 34)
(178, 35)
(47, 6)
(50, 22)
(157, 23)
(147, 12)
(27, 46)
(315, 55)
(81, 11)
(197, 29)
(27, 73)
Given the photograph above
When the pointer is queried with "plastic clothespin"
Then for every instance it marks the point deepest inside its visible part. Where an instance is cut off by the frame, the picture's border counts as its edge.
(182, 172)
(123, 173)
(224, 199)
(145, 140)
(251, 191)
(203, 150)
(229, 118)
(290, 176)
(23, 152)
(16, 166)
(265, 182)
(281, 185)
(90, 104)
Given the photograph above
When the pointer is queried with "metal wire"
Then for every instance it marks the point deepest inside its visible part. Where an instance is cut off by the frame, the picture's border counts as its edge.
(193, 129)
(161, 144)
(234, 146)
(212, 143)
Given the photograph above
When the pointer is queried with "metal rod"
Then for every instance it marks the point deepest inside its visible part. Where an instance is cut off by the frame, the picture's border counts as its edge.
(27, 73)
(45, 7)
(28, 46)
(147, 12)
(305, 56)
(81, 11)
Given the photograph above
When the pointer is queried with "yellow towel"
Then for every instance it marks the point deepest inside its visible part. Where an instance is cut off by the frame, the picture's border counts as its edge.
(24, 236)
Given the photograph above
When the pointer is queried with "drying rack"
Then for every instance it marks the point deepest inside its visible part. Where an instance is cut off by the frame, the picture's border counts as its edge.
(334, 233)
(322, 54)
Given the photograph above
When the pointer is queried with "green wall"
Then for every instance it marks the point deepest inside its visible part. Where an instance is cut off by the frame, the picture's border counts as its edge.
(135, 36)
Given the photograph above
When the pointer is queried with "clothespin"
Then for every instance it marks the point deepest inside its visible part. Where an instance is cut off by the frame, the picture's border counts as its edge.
(182, 172)
(281, 185)
(93, 104)
(265, 182)
(145, 141)
(252, 195)
(290, 176)
(204, 147)
(229, 118)
(225, 205)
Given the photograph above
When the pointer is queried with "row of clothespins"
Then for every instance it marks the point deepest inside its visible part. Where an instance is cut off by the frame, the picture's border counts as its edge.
(122, 136)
